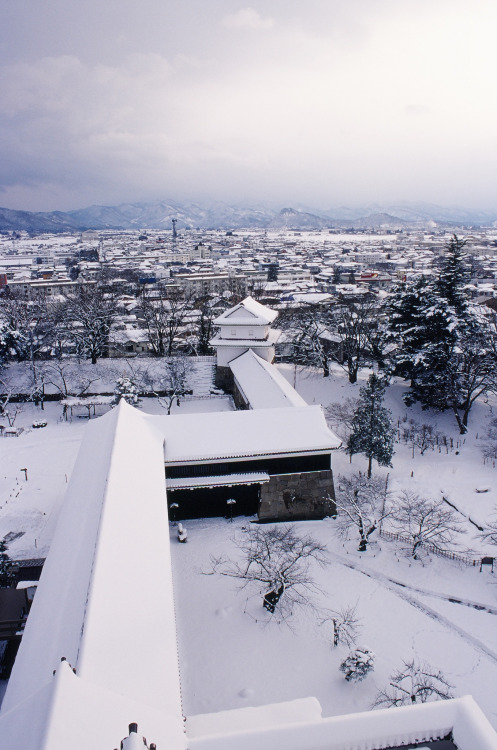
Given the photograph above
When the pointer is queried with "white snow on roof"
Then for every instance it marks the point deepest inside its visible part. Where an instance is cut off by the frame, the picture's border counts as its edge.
(250, 718)
(105, 599)
(71, 401)
(249, 343)
(262, 384)
(226, 480)
(238, 434)
(383, 728)
(247, 312)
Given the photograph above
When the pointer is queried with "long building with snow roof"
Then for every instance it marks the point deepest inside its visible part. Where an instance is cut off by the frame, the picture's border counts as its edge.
(274, 462)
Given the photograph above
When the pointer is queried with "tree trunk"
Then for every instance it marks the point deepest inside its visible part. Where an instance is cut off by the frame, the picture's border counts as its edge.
(352, 371)
(363, 544)
(370, 466)
(460, 422)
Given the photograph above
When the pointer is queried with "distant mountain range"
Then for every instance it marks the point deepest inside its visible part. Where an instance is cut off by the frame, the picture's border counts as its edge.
(159, 215)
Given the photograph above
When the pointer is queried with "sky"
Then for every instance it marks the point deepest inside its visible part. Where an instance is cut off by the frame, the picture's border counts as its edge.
(288, 102)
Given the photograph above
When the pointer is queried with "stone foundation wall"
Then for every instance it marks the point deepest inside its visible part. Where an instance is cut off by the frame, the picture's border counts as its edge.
(239, 400)
(224, 378)
(292, 497)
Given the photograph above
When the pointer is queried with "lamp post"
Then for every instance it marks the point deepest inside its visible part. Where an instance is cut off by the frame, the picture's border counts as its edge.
(173, 508)
(231, 503)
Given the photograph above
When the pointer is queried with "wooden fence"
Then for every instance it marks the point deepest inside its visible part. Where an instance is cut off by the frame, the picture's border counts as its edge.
(465, 559)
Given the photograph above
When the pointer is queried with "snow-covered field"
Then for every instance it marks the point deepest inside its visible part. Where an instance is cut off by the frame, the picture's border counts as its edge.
(230, 654)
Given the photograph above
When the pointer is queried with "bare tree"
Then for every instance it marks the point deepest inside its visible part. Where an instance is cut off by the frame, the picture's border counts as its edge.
(489, 446)
(174, 382)
(89, 314)
(489, 533)
(416, 682)
(163, 317)
(424, 521)
(305, 329)
(280, 560)
(340, 415)
(361, 505)
(29, 328)
(345, 623)
(202, 331)
(421, 436)
(69, 378)
(354, 322)
(9, 408)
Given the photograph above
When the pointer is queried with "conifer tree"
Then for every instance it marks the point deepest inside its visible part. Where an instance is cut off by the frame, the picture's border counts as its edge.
(372, 430)
(128, 390)
(6, 577)
(454, 276)
(407, 311)
(445, 345)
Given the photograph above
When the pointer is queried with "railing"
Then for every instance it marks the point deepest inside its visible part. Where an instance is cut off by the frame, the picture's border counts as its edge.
(204, 396)
(465, 559)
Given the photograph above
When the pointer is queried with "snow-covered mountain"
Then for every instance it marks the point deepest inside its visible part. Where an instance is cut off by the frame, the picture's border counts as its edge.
(218, 215)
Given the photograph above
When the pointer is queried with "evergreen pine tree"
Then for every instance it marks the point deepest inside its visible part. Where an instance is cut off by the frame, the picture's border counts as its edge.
(407, 311)
(445, 345)
(453, 277)
(430, 361)
(128, 390)
(358, 664)
(5, 575)
(372, 430)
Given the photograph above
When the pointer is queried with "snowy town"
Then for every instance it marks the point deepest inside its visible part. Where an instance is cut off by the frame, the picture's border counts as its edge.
(248, 375)
(247, 491)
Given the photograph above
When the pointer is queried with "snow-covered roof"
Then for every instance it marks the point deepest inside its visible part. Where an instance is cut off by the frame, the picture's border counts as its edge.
(227, 480)
(247, 312)
(312, 298)
(384, 728)
(104, 602)
(272, 338)
(262, 384)
(193, 438)
(301, 710)
(72, 401)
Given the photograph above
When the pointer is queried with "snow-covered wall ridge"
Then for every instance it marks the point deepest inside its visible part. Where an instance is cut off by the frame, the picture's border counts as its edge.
(371, 730)
(254, 717)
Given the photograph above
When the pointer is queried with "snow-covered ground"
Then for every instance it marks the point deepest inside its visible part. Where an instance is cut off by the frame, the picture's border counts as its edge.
(230, 655)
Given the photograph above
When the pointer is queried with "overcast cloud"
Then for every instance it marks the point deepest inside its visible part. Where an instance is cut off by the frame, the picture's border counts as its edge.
(315, 102)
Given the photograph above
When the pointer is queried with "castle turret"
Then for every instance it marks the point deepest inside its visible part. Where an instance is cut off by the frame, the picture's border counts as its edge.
(243, 327)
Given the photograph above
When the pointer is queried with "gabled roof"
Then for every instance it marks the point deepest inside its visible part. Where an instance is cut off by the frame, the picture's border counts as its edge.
(271, 339)
(105, 600)
(247, 312)
(262, 384)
